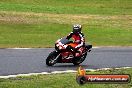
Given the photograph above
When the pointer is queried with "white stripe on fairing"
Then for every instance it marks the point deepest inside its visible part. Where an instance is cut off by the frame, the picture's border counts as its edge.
(59, 72)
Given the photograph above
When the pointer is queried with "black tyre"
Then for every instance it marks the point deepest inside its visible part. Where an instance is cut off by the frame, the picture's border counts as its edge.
(81, 80)
(83, 56)
(52, 58)
(79, 60)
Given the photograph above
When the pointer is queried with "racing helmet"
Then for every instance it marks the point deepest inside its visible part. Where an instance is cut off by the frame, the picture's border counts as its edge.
(77, 28)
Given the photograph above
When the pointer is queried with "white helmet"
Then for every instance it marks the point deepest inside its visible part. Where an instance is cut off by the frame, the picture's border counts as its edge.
(77, 28)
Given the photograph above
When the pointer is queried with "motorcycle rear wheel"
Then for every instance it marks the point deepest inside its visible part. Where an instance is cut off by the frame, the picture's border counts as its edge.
(79, 60)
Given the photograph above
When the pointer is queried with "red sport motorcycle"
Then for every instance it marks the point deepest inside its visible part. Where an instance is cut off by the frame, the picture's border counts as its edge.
(67, 55)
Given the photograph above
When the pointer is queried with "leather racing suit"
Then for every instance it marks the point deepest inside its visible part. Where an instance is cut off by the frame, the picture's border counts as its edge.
(79, 41)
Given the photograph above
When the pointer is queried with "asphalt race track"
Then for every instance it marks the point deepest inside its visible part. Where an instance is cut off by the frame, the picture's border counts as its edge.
(18, 61)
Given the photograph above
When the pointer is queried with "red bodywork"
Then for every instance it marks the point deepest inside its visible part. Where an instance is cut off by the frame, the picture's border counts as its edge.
(68, 56)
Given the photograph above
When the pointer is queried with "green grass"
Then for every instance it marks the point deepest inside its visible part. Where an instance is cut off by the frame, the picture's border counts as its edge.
(32, 23)
(23, 35)
(29, 35)
(42, 30)
(69, 6)
(61, 81)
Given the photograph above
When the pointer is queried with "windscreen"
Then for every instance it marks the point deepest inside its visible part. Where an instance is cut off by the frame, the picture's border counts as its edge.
(64, 41)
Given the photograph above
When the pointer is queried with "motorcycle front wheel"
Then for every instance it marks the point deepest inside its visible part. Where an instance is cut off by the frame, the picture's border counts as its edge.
(52, 58)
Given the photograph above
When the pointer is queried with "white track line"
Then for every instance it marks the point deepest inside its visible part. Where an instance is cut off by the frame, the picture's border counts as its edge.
(59, 72)
(37, 48)
(42, 73)
(92, 47)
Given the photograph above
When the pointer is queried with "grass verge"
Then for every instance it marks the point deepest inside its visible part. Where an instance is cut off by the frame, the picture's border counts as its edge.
(61, 81)
(111, 7)
(21, 29)
(32, 23)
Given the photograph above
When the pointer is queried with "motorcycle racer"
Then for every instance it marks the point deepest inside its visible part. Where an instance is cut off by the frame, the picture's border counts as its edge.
(78, 38)
(67, 51)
